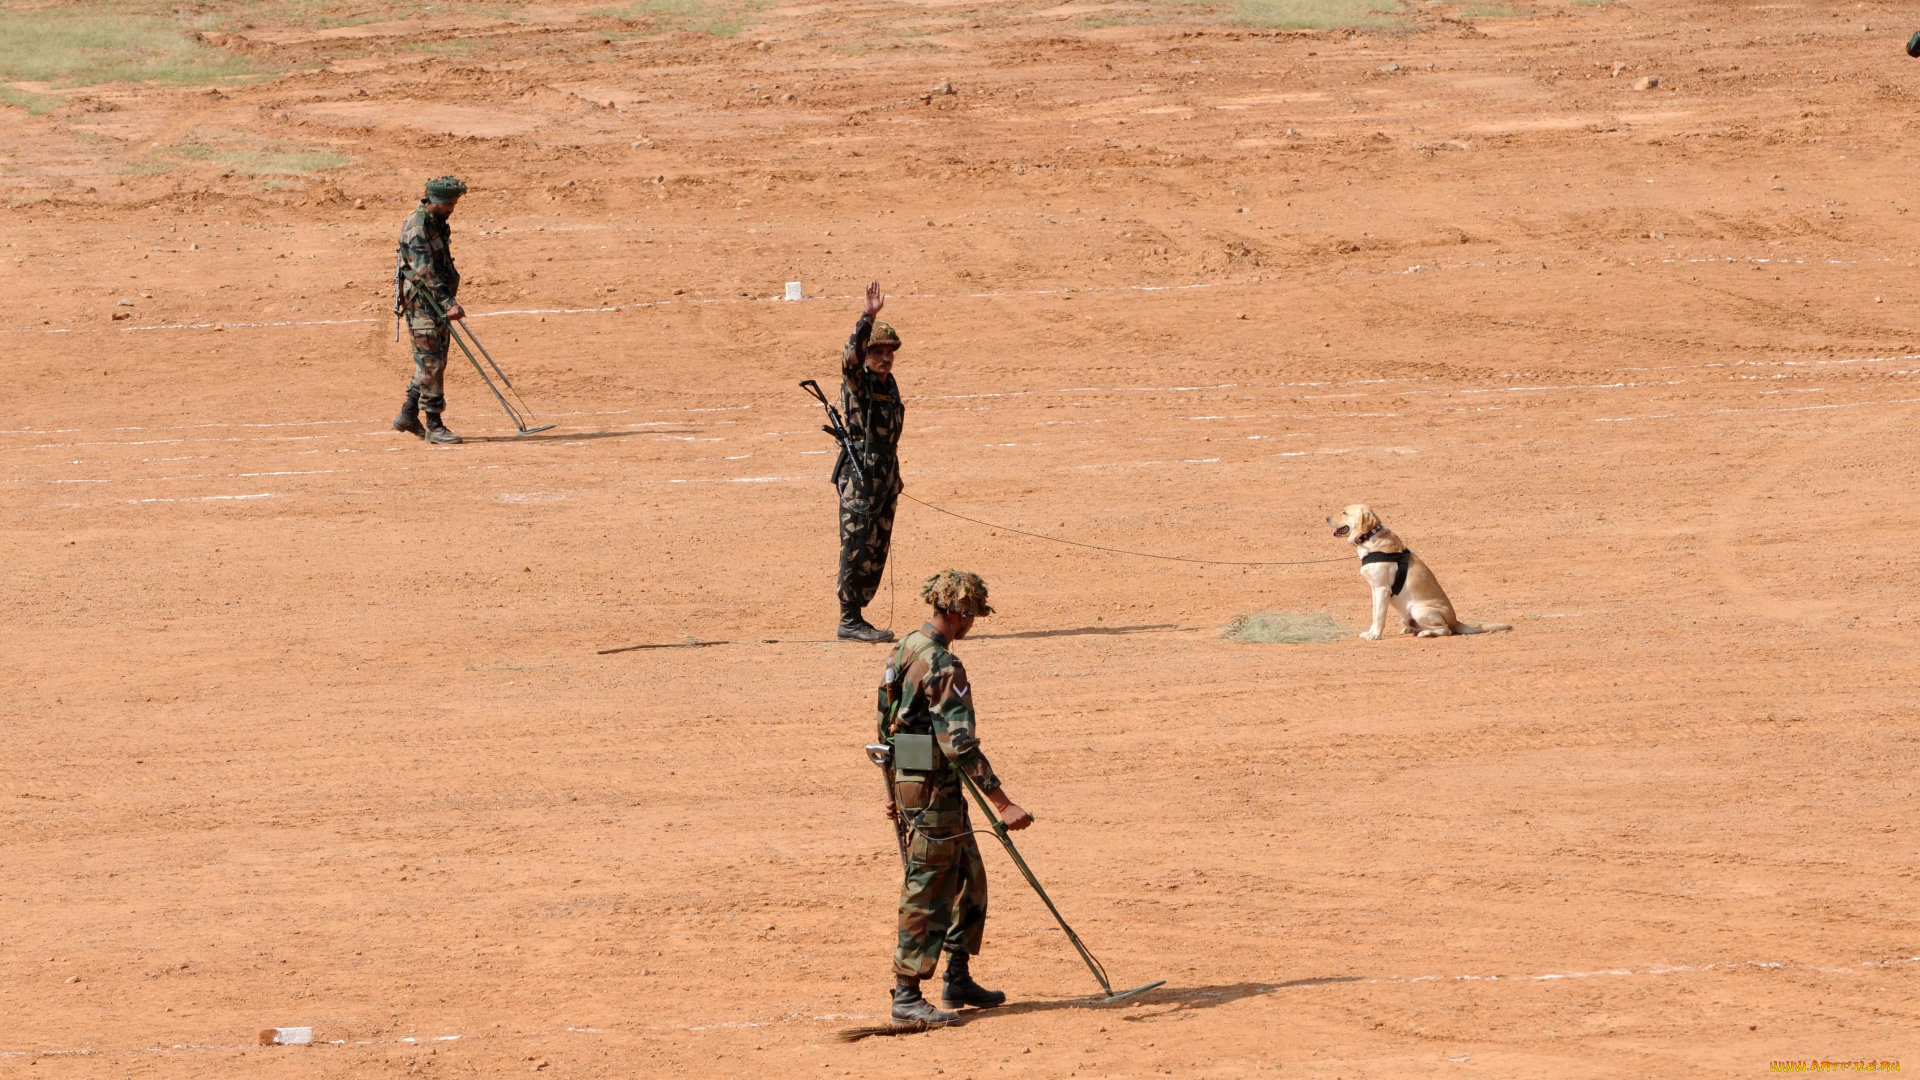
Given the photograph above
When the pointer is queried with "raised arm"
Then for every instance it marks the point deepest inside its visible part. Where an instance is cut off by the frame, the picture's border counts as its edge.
(853, 358)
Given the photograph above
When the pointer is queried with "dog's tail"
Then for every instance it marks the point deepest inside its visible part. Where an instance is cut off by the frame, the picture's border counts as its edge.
(1467, 628)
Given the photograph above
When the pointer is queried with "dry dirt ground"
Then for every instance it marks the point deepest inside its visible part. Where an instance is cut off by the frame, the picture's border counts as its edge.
(305, 723)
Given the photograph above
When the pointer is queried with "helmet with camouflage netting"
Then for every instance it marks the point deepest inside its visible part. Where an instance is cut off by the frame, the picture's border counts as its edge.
(957, 593)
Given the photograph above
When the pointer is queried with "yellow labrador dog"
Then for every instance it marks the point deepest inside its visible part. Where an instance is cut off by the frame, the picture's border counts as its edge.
(1399, 578)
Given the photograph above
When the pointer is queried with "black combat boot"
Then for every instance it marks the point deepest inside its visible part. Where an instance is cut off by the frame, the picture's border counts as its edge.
(409, 418)
(437, 432)
(962, 990)
(909, 1007)
(855, 628)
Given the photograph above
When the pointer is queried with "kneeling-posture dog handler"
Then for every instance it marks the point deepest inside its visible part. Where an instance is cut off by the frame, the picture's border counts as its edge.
(926, 716)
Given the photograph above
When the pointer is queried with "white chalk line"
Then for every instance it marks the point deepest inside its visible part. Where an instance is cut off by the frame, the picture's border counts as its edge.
(213, 498)
(634, 306)
(414, 1040)
(287, 423)
(787, 479)
(1656, 969)
(640, 304)
(726, 1025)
(1781, 409)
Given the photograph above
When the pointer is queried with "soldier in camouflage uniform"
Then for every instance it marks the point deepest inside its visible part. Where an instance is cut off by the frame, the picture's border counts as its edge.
(943, 902)
(870, 401)
(424, 253)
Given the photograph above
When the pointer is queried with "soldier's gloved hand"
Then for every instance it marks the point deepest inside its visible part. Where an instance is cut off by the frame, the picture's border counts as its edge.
(455, 311)
(1015, 818)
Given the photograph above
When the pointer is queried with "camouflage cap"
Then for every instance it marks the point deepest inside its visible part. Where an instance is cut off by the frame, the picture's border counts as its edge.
(884, 336)
(956, 592)
(446, 187)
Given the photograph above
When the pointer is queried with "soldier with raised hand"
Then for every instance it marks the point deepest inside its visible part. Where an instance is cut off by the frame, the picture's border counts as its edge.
(870, 483)
(943, 901)
(425, 262)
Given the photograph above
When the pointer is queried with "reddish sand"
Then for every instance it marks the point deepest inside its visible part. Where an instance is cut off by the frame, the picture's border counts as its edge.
(304, 722)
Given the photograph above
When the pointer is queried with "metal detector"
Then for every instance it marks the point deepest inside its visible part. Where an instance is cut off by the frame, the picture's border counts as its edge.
(1093, 965)
(461, 334)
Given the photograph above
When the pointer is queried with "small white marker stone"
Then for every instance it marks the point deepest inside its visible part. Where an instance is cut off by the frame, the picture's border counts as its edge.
(298, 1036)
(793, 290)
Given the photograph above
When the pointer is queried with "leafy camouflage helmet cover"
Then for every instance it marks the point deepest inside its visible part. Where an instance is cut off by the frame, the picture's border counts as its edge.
(956, 592)
(446, 187)
(884, 336)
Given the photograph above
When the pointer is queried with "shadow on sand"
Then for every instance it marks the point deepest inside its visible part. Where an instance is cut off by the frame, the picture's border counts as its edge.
(1165, 1001)
(1180, 998)
(577, 436)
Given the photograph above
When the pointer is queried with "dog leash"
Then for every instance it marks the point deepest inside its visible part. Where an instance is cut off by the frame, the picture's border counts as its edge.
(1121, 551)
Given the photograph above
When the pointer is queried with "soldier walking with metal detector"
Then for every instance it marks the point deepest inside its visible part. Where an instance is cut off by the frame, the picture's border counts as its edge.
(926, 727)
(868, 470)
(425, 263)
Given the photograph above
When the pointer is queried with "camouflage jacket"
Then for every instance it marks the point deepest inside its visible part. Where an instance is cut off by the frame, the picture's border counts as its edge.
(934, 698)
(424, 249)
(874, 415)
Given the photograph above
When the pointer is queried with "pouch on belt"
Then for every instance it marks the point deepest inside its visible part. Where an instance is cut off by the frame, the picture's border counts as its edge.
(913, 753)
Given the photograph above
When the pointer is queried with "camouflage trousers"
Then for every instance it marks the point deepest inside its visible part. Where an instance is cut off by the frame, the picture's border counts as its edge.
(943, 903)
(429, 363)
(866, 531)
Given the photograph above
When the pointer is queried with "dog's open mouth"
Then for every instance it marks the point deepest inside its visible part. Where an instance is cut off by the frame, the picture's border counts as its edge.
(1342, 531)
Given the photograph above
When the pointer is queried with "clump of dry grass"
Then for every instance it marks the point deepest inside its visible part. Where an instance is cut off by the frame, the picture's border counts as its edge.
(1285, 628)
(1318, 14)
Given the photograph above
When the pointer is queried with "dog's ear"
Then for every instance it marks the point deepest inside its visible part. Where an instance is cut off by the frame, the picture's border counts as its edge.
(1364, 519)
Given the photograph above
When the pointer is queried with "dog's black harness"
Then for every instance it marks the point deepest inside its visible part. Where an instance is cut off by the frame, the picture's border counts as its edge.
(1401, 559)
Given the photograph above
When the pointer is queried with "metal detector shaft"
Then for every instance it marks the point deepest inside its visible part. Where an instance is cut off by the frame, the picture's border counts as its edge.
(491, 362)
(1093, 965)
(511, 414)
(454, 331)
(471, 336)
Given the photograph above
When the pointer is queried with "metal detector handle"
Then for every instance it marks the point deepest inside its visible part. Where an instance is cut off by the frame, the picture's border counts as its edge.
(882, 755)
(453, 333)
(1000, 830)
(460, 336)
(421, 290)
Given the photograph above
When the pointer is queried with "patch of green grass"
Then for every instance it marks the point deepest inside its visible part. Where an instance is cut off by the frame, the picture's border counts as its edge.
(1317, 14)
(78, 46)
(458, 47)
(1282, 628)
(1489, 11)
(246, 158)
(35, 104)
(694, 15)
